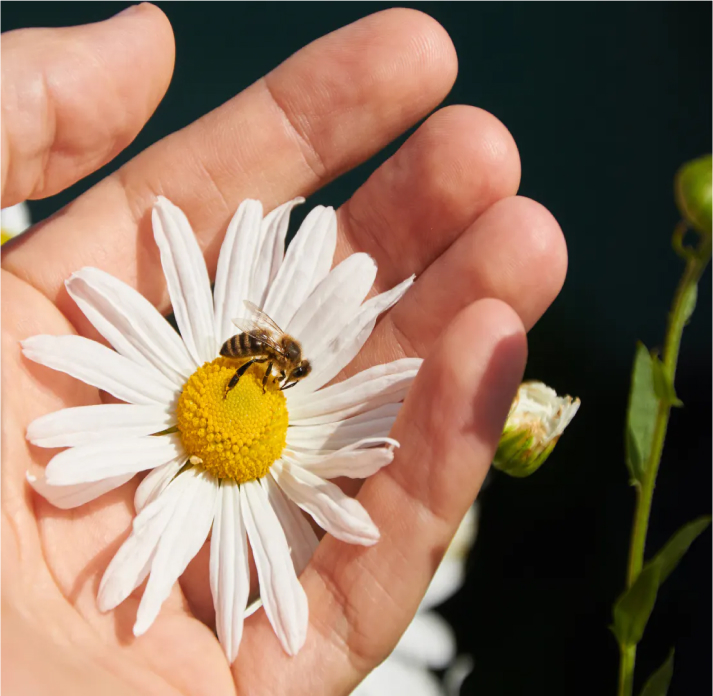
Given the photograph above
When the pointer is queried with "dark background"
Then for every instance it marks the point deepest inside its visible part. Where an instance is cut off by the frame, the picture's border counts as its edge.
(605, 101)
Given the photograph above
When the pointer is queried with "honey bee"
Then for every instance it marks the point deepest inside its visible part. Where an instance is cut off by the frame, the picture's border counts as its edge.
(262, 340)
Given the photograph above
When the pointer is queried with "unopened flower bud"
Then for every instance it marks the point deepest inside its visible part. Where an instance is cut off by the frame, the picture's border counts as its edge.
(536, 420)
(694, 192)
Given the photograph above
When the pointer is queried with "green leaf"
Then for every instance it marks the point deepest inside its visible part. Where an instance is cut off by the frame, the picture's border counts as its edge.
(669, 556)
(641, 416)
(658, 682)
(634, 606)
(663, 386)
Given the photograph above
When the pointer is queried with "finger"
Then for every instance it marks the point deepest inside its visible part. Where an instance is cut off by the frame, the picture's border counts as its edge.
(73, 98)
(456, 165)
(361, 599)
(514, 252)
(328, 107)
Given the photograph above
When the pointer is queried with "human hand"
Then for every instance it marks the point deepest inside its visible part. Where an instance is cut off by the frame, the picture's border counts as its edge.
(442, 207)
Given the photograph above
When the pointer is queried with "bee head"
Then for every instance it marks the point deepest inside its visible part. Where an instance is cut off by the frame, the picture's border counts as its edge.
(300, 372)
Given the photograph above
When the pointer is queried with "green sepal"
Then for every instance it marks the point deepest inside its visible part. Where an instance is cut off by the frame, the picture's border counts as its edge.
(663, 386)
(641, 414)
(658, 683)
(633, 608)
(674, 550)
(516, 454)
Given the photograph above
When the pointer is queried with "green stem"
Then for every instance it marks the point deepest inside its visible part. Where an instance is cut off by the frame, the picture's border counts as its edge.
(695, 265)
(626, 671)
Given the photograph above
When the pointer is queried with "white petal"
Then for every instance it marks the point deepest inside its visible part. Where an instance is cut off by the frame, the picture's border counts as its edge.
(272, 250)
(396, 677)
(66, 497)
(334, 436)
(101, 367)
(135, 328)
(307, 262)
(353, 461)
(456, 674)
(15, 219)
(334, 511)
(364, 391)
(282, 595)
(428, 640)
(156, 482)
(111, 458)
(300, 537)
(252, 607)
(229, 570)
(328, 310)
(447, 580)
(83, 425)
(450, 575)
(187, 280)
(236, 266)
(178, 544)
(132, 562)
(338, 353)
(460, 545)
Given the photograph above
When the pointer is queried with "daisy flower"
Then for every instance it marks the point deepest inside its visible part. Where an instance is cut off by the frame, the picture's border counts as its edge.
(429, 643)
(243, 462)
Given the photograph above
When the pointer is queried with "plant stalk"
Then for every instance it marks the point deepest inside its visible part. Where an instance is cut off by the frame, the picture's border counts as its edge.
(695, 265)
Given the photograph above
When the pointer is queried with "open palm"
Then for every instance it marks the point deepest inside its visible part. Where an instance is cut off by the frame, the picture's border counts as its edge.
(443, 207)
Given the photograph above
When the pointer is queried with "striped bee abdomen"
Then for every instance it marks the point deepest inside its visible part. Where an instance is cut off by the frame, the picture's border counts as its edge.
(242, 345)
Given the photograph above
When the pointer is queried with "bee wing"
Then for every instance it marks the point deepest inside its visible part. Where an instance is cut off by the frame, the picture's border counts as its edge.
(261, 327)
(258, 316)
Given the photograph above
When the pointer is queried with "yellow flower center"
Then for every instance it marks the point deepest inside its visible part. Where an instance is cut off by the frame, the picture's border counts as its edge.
(237, 436)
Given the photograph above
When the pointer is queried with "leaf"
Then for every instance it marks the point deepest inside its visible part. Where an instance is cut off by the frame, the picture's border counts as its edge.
(641, 415)
(669, 556)
(663, 386)
(658, 682)
(634, 606)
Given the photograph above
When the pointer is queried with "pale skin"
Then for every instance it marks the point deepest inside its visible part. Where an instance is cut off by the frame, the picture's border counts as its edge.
(444, 207)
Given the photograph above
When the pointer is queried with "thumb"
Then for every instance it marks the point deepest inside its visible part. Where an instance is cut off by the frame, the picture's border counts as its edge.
(73, 98)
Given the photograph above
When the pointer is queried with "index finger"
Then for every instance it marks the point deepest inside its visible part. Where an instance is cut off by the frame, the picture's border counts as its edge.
(327, 108)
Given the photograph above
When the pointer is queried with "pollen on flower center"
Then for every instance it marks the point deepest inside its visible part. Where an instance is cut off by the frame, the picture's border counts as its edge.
(237, 437)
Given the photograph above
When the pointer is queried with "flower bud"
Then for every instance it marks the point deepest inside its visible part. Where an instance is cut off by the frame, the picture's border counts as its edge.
(536, 420)
(694, 191)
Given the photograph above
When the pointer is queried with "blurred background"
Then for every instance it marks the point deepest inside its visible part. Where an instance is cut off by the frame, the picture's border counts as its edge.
(605, 101)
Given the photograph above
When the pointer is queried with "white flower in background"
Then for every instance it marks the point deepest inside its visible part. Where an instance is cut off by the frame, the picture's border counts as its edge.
(536, 420)
(428, 643)
(242, 462)
(14, 220)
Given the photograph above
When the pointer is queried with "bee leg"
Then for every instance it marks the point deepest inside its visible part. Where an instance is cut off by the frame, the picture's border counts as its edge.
(281, 378)
(238, 374)
(291, 384)
(267, 374)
